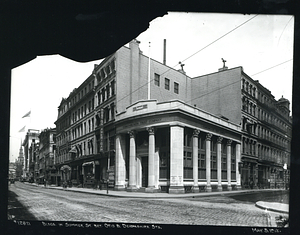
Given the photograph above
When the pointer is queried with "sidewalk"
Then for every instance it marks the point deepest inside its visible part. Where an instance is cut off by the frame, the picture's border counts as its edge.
(114, 193)
(273, 206)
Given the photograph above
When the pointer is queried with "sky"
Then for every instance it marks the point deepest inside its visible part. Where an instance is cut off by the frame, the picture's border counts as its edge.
(261, 44)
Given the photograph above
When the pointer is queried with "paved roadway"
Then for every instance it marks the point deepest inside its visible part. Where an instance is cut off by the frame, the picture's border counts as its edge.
(57, 205)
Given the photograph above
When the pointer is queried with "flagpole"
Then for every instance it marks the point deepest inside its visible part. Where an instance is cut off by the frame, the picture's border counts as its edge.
(30, 118)
(149, 73)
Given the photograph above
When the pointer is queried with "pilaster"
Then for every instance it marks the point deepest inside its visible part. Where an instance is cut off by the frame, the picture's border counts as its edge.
(176, 159)
(238, 159)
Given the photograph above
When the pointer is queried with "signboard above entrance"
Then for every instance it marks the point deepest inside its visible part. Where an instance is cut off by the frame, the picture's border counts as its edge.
(140, 107)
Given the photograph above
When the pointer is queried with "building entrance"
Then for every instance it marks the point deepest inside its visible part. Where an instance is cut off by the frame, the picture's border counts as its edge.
(145, 171)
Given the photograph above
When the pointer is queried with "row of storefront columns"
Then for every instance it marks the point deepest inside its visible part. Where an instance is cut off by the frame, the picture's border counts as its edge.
(176, 162)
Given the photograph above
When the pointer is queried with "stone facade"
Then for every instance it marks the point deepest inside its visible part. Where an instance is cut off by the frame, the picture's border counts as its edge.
(171, 146)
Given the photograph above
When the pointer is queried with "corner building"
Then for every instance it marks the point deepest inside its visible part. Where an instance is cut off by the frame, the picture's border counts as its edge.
(141, 135)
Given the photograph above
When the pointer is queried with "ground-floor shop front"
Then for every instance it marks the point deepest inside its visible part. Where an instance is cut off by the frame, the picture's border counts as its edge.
(263, 175)
(91, 171)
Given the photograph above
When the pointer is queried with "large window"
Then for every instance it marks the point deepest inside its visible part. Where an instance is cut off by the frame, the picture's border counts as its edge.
(167, 84)
(112, 85)
(213, 163)
(188, 165)
(188, 137)
(156, 79)
(107, 92)
(201, 166)
(164, 172)
(176, 88)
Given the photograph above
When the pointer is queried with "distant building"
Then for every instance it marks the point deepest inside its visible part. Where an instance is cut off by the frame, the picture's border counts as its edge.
(266, 123)
(20, 164)
(12, 171)
(139, 130)
(45, 164)
(30, 144)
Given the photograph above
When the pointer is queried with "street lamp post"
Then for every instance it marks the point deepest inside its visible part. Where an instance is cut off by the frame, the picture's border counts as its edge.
(285, 176)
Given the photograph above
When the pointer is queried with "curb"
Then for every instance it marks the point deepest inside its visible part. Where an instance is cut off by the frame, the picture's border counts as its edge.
(165, 196)
(270, 206)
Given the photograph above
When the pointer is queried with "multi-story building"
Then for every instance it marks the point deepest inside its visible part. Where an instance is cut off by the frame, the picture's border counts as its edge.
(266, 123)
(45, 164)
(29, 143)
(133, 122)
(34, 155)
(75, 134)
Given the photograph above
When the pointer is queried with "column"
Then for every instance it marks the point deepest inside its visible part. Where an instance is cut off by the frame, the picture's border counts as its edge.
(176, 159)
(237, 160)
(229, 164)
(219, 162)
(132, 162)
(156, 169)
(207, 160)
(120, 169)
(151, 153)
(195, 161)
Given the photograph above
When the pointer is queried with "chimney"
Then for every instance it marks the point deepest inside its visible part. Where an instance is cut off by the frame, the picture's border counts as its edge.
(165, 45)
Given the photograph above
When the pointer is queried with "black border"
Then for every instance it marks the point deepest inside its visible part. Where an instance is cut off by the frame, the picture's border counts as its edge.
(30, 28)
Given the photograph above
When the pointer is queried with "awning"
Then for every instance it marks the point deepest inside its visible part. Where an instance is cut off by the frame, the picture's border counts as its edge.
(88, 163)
(73, 150)
(65, 167)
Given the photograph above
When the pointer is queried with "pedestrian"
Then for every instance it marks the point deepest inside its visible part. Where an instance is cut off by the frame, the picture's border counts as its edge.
(251, 184)
(95, 184)
(100, 184)
(107, 183)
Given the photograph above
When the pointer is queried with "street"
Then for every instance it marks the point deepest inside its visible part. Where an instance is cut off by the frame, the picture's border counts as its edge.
(57, 205)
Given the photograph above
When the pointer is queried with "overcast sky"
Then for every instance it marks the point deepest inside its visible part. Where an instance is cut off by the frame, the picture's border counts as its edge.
(261, 44)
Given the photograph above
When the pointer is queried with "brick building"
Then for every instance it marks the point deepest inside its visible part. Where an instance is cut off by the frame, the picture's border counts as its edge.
(139, 129)
(266, 123)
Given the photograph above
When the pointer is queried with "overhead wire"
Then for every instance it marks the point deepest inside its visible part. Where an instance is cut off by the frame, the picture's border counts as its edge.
(190, 56)
(271, 67)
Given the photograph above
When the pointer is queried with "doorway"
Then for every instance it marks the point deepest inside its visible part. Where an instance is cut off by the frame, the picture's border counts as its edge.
(145, 171)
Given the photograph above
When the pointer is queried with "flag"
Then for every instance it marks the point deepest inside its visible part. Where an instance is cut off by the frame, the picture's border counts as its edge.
(22, 130)
(27, 114)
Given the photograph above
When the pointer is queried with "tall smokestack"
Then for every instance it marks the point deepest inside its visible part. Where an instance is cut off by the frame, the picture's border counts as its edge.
(165, 45)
